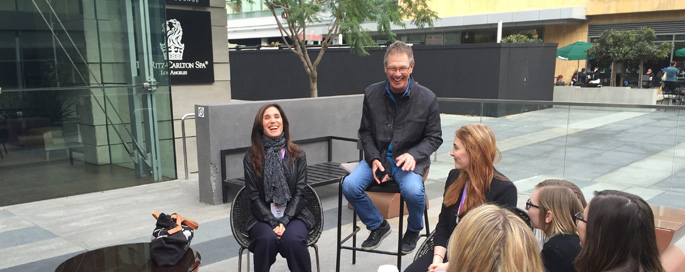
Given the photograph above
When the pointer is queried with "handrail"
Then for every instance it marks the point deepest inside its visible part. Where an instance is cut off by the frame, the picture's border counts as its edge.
(183, 137)
(555, 103)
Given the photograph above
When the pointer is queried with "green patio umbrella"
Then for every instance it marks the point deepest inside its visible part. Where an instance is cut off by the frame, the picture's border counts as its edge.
(574, 51)
(680, 52)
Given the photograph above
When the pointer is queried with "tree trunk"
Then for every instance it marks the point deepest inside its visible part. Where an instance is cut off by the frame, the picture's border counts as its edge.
(620, 79)
(613, 74)
(313, 88)
(639, 77)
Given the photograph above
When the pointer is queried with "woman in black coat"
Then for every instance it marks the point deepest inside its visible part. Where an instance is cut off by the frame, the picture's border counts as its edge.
(275, 178)
(474, 182)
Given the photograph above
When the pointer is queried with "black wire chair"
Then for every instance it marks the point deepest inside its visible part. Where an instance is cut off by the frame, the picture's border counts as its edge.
(240, 214)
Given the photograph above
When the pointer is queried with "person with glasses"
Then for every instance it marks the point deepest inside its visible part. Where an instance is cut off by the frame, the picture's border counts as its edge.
(399, 130)
(473, 182)
(616, 232)
(551, 209)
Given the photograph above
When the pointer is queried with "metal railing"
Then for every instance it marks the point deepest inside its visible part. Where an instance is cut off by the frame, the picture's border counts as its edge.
(183, 137)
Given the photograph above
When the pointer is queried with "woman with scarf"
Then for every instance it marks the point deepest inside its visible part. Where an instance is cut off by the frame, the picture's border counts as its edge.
(275, 178)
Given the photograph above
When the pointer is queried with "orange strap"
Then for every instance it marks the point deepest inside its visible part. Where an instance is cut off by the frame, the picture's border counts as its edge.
(180, 220)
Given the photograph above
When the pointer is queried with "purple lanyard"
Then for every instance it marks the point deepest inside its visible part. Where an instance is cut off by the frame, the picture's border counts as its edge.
(461, 204)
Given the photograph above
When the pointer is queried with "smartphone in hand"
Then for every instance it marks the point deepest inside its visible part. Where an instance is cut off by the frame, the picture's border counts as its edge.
(380, 174)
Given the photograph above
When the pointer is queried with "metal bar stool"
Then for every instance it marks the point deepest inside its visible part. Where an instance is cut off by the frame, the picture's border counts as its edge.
(388, 187)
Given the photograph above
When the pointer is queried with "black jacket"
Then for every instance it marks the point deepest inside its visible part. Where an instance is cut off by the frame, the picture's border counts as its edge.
(559, 252)
(501, 192)
(413, 127)
(297, 206)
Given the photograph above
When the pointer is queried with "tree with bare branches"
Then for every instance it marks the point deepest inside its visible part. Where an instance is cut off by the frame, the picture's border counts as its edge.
(345, 17)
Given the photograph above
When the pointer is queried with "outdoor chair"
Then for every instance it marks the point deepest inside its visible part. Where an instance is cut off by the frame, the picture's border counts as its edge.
(388, 187)
(240, 213)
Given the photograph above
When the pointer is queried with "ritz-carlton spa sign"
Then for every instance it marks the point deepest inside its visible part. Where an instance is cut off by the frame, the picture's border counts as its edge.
(189, 47)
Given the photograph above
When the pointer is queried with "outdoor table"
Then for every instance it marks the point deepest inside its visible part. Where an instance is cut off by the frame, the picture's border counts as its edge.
(129, 258)
(669, 225)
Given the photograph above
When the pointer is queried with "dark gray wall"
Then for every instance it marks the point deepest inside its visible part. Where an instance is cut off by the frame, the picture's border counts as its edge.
(504, 71)
(227, 126)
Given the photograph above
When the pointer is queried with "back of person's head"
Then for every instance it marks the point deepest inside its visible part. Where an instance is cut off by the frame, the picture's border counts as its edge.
(673, 63)
(557, 205)
(399, 47)
(490, 238)
(565, 183)
(619, 235)
(559, 77)
(582, 70)
(480, 144)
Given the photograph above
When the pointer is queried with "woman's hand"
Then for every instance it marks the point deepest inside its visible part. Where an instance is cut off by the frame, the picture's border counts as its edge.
(279, 230)
(437, 267)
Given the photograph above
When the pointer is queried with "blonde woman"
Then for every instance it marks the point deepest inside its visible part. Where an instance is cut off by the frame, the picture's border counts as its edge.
(490, 239)
(551, 209)
(473, 182)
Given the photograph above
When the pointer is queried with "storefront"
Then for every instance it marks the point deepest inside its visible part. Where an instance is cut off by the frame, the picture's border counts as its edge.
(83, 107)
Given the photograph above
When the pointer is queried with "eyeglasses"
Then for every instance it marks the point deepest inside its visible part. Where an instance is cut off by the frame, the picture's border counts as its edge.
(530, 204)
(579, 217)
(395, 69)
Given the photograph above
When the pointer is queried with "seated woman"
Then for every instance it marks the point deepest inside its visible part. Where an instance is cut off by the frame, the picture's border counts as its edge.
(275, 178)
(474, 181)
(560, 81)
(491, 238)
(616, 232)
(551, 209)
(565, 183)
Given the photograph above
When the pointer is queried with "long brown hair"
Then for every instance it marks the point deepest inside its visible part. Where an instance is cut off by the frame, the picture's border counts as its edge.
(257, 148)
(491, 238)
(619, 235)
(563, 203)
(565, 183)
(479, 142)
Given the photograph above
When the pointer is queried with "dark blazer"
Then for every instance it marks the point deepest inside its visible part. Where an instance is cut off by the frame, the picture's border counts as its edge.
(297, 206)
(559, 252)
(413, 126)
(501, 192)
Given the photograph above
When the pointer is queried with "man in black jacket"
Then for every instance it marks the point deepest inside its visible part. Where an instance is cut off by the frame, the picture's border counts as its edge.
(400, 129)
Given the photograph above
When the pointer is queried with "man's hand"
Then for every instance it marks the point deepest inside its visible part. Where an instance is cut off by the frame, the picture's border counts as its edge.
(407, 162)
(377, 165)
(279, 230)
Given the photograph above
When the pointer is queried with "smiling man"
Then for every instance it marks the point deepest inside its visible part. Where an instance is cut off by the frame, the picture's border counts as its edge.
(400, 129)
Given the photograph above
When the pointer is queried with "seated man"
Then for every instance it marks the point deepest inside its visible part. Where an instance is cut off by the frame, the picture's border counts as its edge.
(399, 130)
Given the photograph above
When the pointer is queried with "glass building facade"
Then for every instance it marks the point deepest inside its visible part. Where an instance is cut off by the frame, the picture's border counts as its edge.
(85, 103)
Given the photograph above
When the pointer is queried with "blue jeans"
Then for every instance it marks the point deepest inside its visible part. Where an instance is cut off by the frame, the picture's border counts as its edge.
(411, 188)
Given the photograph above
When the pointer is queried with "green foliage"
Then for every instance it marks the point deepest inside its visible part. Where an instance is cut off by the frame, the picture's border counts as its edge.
(520, 38)
(342, 17)
(630, 46)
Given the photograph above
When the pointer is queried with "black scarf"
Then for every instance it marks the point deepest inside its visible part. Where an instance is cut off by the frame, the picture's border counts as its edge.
(275, 182)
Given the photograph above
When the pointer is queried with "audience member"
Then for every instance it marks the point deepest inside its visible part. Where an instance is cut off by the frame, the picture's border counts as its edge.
(474, 181)
(565, 183)
(616, 232)
(551, 209)
(275, 178)
(491, 238)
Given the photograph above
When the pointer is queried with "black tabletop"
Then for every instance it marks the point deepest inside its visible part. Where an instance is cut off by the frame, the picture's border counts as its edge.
(129, 258)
